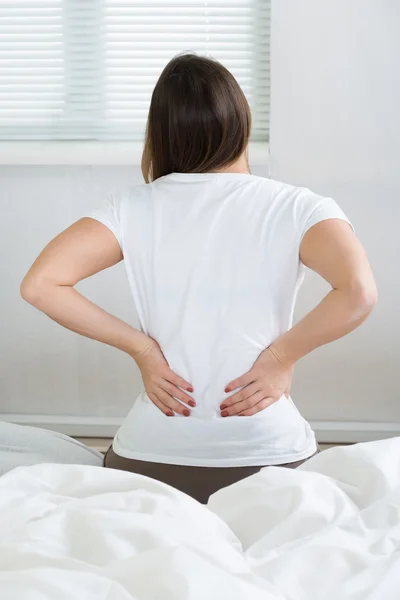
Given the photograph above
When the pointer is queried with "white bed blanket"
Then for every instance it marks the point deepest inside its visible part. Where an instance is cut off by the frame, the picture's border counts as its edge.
(329, 530)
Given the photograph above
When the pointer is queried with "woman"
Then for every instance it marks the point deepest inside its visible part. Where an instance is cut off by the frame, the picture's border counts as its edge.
(214, 257)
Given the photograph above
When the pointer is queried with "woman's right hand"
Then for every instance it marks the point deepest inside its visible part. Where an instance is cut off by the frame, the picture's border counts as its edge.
(161, 383)
(266, 382)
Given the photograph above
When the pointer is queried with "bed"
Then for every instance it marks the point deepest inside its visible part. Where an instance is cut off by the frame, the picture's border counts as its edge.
(329, 530)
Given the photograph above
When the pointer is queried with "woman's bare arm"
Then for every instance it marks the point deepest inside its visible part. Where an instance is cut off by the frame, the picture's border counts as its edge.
(80, 251)
(331, 249)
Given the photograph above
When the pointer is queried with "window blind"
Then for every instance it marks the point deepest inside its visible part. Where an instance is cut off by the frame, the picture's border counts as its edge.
(74, 69)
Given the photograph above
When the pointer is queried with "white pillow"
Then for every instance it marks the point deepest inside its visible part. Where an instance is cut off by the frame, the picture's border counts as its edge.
(21, 445)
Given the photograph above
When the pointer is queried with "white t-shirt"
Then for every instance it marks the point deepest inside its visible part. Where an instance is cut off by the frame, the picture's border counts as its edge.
(213, 264)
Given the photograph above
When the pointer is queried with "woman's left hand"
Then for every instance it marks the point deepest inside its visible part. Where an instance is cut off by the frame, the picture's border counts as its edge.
(266, 382)
(162, 385)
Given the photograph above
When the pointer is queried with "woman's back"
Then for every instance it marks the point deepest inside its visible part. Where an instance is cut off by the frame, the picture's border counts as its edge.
(213, 264)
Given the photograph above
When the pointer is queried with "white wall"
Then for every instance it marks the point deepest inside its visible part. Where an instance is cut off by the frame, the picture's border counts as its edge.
(336, 129)
(45, 368)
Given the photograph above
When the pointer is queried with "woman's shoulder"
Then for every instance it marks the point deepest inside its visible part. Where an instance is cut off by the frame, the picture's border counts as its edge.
(276, 186)
(130, 195)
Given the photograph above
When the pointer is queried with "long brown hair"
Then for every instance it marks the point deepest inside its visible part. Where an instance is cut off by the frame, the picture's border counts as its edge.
(199, 119)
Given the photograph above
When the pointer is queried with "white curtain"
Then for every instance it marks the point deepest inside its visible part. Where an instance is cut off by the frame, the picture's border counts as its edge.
(85, 69)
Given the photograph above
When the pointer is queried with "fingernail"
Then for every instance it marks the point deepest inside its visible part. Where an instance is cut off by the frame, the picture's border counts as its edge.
(186, 412)
(227, 389)
(224, 413)
(170, 414)
(192, 403)
(190, 389)
(223, 406)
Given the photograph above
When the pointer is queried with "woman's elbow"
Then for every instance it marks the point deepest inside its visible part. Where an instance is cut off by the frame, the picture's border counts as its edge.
(31, 290)
(364, 297)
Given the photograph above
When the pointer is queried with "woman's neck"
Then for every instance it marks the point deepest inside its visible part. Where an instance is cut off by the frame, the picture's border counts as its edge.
(239, 166)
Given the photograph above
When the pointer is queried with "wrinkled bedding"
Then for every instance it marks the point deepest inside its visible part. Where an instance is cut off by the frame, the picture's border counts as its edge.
(329, 530)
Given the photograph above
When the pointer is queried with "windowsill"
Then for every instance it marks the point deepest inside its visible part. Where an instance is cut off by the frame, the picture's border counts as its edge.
(92, 153)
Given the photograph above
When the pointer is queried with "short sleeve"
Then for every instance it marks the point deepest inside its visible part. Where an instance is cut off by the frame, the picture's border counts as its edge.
(109, 215)
(312, 209)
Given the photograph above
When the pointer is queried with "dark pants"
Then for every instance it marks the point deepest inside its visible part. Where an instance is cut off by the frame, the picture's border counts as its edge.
(198, 482)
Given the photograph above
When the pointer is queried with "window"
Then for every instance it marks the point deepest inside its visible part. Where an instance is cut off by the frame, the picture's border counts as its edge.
(85, 69)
